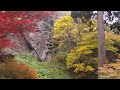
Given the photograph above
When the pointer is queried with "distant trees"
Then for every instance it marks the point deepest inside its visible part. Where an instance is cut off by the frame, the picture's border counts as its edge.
(110, 18)
(79, 14)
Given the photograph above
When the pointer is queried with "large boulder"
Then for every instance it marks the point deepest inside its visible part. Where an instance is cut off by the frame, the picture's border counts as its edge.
(40, 43)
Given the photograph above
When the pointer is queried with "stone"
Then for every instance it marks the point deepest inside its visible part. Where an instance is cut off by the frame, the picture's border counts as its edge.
(37, 43)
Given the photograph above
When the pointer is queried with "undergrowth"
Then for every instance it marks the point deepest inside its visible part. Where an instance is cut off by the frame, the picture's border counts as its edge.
(46, 70)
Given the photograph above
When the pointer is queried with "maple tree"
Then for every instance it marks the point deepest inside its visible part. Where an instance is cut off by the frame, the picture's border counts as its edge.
(16, 22)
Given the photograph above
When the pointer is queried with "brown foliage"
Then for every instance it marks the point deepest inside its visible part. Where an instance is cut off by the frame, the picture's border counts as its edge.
(110, 71)
(15, 70)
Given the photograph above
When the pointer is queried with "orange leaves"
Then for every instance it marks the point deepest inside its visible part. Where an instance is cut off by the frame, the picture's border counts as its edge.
(110, 71)
(15, 70)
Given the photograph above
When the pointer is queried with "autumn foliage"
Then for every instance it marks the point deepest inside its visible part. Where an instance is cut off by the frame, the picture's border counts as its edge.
(110, 71)
(15, 70)
(77, 45)
(15, 22)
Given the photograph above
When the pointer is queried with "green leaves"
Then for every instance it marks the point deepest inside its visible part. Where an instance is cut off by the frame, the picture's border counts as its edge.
(46, 70)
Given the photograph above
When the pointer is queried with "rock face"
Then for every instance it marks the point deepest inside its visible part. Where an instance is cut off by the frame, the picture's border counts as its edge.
(37, 43)
(40, 42)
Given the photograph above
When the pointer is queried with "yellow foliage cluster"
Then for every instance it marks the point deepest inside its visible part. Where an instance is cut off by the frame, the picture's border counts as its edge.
(75, 54)
(82, 67)
(80, 41)
(63, 25)
(111, 39)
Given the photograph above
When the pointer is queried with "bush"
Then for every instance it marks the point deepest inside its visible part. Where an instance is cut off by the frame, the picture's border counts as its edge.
(60, 57)
(15, 70)
(46, 70)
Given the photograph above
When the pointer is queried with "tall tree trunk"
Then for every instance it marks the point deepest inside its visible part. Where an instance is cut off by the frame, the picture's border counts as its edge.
(101, 40)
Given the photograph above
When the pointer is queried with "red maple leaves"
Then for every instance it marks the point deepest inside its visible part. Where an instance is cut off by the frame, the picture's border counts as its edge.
(17, 21)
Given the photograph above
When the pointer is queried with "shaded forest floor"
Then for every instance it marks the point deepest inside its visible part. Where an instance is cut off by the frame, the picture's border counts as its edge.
(110, 71)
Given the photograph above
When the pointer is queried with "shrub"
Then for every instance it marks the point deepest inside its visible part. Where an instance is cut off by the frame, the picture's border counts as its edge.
(60, 57)
(15, 70)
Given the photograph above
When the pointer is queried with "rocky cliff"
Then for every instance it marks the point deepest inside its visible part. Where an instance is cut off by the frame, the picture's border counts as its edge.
(37, 43)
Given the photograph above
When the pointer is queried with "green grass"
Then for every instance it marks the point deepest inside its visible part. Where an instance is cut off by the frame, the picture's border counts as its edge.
(46, 70)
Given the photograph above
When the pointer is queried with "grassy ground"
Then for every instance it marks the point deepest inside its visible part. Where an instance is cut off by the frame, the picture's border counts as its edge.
(46, 70)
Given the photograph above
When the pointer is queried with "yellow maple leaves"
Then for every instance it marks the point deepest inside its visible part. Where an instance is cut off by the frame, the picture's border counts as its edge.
(80, 42)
